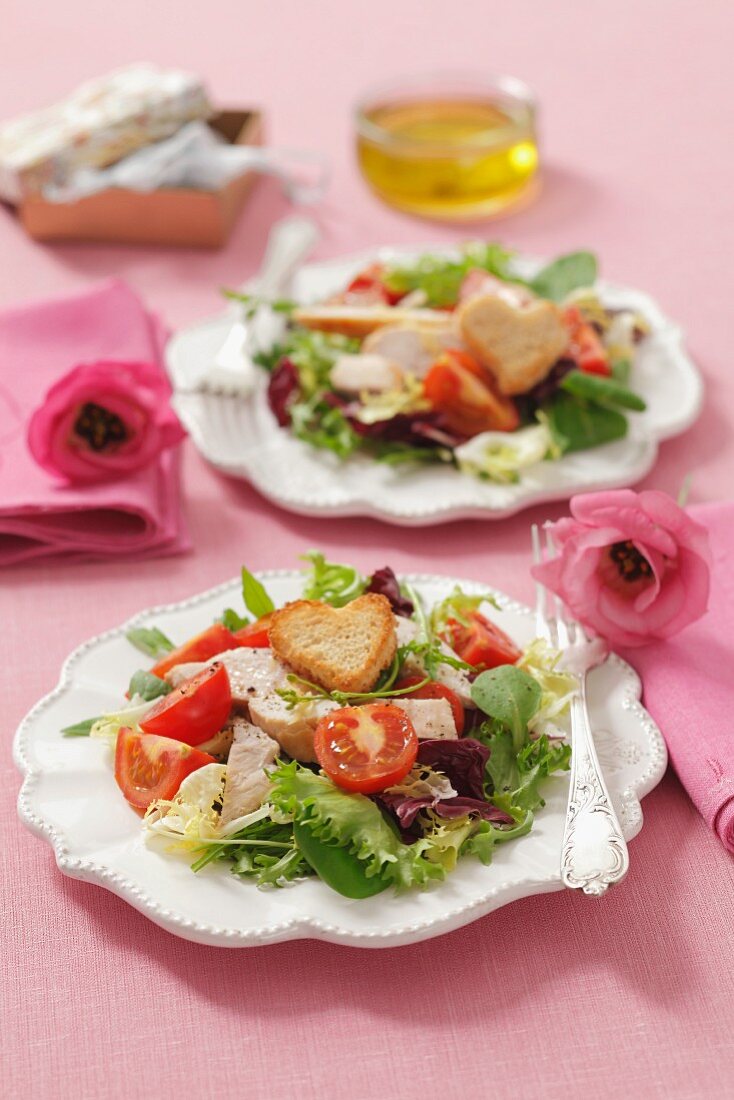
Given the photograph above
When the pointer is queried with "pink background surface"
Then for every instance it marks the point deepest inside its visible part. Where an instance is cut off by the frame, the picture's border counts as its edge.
(552, 997)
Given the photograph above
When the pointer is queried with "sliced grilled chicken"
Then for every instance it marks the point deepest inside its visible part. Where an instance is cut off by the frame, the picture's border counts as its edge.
(431, 718)
(293, 728)
(454, 678)
(355, 374)
(251, 672)
(252, 755)
(413, 347)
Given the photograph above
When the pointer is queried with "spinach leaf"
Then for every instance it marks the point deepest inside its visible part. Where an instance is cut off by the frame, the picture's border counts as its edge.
(510, 696)
(605, 391)
(152, 642)
(256, 599)
(148, 686)
(567, 273)
(578, 424)
(338, 867)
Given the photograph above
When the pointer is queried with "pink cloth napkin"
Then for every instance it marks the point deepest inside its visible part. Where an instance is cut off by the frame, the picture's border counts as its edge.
(689, 686)
(137, 516)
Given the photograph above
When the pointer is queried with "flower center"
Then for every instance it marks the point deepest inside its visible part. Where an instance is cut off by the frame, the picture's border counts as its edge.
(631, 564)
(99, 427)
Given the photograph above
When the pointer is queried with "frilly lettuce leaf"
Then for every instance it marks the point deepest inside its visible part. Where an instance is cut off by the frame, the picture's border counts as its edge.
(500, 456)
(330, 581)
(109, 725)
(351, 821)
(457, 606)
(557, 688)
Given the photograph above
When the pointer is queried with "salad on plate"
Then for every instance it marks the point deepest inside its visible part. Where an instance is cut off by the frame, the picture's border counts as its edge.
(460, 360)
(354, 734)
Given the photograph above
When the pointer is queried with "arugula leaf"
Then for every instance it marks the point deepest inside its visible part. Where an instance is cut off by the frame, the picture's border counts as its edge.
(605, 391)
(510, 696)
(232, 620)
(252, 302)
(440, 278)
(151, 641)
(351, 821)
(80, 729)
(567, 273)
(330, 581)
(147, 686)
(458, 605)
(265, 850)
(256, 599)
(578, 424)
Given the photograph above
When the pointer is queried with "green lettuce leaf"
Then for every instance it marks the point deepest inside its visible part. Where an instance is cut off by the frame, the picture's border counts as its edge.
(330, 581)
(351, 821)
(440, 278)
(150, 641)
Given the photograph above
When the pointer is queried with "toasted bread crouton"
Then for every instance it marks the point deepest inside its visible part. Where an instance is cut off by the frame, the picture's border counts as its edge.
(359, 321)
(342, 649)
(518, 346)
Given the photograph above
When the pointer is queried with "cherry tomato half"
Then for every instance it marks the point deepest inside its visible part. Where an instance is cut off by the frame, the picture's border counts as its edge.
(584, 345)
(435, 690)
(466, 398)
(216, 639)
(368, 288)
(148, 767)
(255, 635)
(195, 710)
(366, 748)
(480, 643)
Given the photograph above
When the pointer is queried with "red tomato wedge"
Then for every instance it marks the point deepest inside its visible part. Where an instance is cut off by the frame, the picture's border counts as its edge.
(366, 748)
(148, 767)
(584, 344)
(466, 399)
(195, 710)
(368, 288)
(481, 643)
(255, 635)
(435, 690)
(216, 639)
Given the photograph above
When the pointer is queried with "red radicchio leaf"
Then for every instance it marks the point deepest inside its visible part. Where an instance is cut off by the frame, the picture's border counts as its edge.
(384, 583)
(419, 430)
(457, 807)
(463, 762)
(283, 389)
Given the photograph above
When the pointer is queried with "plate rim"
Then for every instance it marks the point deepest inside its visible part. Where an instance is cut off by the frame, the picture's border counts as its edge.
(308, 927)
(426, 513)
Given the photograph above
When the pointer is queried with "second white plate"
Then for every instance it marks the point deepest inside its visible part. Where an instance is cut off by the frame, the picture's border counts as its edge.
(241, 437)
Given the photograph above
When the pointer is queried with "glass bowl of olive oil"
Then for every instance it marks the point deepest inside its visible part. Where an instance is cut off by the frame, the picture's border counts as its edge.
(450, 147)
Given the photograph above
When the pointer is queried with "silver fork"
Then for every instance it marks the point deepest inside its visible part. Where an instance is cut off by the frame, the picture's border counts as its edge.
(594, 852)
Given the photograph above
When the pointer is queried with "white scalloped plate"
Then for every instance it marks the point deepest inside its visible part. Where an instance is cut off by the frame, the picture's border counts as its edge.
(241, 438)
(69, 797)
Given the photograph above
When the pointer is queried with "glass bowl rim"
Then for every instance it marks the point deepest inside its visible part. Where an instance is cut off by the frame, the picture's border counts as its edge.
(511, 87)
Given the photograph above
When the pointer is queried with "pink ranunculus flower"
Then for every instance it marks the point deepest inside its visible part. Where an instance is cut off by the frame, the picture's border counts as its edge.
(104, 420)
(634, 567)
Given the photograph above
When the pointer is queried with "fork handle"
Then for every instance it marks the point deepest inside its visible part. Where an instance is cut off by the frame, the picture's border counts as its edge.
(594, 853)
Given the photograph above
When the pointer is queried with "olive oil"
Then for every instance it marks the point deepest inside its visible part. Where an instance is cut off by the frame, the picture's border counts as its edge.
(451, 158)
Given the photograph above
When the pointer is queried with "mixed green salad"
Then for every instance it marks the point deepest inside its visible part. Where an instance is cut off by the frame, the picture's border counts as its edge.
(417, 363)
(237, 758)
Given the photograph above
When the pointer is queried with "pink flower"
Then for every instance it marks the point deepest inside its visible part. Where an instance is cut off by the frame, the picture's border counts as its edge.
(634, 567)
(103, 420)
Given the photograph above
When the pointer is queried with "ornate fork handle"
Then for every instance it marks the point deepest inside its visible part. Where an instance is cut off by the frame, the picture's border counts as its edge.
(594, 853)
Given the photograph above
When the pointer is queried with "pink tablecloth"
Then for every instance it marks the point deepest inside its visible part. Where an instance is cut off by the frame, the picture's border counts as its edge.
(552, 997)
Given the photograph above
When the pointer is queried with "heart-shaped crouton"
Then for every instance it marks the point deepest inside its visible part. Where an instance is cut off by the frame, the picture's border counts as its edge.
(342, 649)
(518, 345)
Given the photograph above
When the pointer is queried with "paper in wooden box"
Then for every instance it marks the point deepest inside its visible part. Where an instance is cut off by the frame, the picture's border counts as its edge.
(182, 217)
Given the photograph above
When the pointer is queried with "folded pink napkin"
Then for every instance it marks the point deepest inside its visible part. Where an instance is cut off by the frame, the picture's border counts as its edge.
(689, 686)
(136, 516)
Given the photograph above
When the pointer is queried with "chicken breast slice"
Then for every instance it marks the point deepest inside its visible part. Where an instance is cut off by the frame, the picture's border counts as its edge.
(293, 728)
(355, 374)
(455, 678)
(251, 672)
(430, 718)
(411, 347)
(252, 755)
